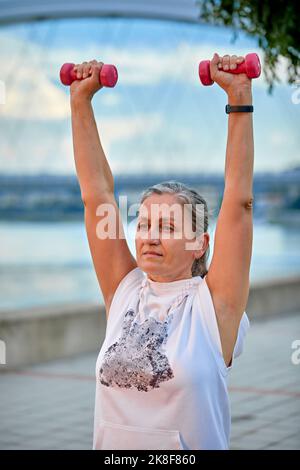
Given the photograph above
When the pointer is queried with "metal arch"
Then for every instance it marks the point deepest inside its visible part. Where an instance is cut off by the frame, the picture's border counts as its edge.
(16, 11)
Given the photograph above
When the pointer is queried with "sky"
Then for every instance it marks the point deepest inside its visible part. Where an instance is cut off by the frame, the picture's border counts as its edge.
(157, 119)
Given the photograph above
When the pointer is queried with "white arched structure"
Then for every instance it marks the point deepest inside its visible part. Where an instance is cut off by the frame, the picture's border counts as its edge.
(33, 10)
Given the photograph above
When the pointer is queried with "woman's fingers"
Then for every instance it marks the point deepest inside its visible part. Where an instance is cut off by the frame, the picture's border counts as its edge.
(84, 69)
(214, 64)
(88, 68)
(228, 62)
(78, 70)
(233, 63)
(215, 60)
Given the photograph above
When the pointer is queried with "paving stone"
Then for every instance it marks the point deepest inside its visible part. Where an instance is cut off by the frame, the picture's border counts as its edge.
(46, 407)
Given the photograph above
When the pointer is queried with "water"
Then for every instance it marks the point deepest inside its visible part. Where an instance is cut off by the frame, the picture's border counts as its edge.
(50, 263)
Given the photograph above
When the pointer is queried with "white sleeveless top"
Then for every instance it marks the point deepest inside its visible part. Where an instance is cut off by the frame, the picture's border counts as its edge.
(161, 380)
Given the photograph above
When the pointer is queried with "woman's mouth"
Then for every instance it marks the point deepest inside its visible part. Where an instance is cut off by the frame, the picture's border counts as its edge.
(152, 254)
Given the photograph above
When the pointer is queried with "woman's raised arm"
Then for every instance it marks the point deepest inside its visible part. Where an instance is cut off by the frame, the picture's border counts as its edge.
(93, 171)
(228, 275)
(111, 255)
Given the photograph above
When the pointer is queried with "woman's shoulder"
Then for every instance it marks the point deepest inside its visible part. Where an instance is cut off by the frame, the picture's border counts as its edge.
(126, 290)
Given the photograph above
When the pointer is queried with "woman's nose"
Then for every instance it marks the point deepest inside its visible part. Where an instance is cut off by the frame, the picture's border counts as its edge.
(153, 233)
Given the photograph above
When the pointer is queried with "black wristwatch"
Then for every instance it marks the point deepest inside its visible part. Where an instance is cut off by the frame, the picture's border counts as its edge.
(238, 109)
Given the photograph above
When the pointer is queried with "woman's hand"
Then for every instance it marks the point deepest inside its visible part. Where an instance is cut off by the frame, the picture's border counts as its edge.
(89, 72)
(237, 86)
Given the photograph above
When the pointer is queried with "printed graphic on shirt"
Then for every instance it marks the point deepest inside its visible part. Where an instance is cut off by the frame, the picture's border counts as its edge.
(136, 360)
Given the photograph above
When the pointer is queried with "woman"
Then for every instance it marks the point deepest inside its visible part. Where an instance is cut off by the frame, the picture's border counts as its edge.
(173, 327)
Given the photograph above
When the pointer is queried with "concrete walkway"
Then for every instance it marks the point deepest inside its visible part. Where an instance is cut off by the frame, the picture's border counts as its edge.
(50, 406)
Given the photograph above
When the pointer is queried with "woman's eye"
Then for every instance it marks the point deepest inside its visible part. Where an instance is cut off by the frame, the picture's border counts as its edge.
(146, 226)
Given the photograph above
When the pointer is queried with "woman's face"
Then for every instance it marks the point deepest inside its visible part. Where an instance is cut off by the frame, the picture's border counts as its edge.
(164, 227)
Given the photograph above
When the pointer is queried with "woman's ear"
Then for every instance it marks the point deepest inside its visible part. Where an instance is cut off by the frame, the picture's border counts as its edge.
(206, 239)
(201, 245)
(198, 248)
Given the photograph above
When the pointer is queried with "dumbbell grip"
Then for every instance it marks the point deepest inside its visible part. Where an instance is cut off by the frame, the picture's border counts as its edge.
(240, 68)
(251, 67)
(108, 75)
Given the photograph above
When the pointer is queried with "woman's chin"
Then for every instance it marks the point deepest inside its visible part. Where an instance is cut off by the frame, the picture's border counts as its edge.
(151, 261)
(151, 267)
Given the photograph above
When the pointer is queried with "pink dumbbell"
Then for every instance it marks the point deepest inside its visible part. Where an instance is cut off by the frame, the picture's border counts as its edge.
(108, 75)
(251, 67)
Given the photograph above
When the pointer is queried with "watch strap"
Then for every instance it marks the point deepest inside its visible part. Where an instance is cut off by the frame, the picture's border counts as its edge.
(238, 109)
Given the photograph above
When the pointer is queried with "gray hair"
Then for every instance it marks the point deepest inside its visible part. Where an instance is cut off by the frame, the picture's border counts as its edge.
(191, 197)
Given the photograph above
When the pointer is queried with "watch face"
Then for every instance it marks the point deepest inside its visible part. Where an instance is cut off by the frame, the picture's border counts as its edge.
(227, 108)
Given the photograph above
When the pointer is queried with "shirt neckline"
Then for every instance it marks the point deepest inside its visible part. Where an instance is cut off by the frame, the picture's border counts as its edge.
(175, 291)
(179, 284)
